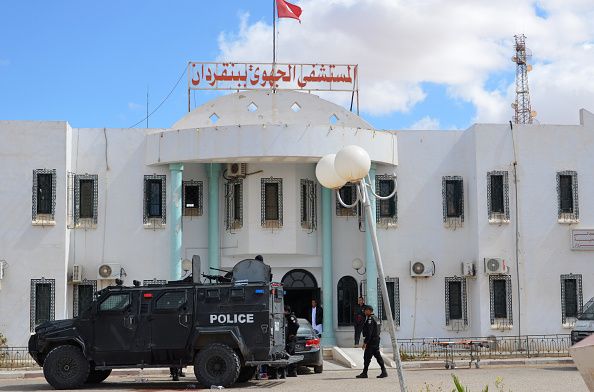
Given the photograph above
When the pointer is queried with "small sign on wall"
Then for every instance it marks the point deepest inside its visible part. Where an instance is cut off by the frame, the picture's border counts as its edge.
(582, 239)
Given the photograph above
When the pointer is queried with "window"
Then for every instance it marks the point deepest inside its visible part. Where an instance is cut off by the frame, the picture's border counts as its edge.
(85, 200)
(348, 194)
(393, 287)
(386, 212)
(83, 296)
(192, 198)
(154, 200)
(171, 301)
(42, 301)
(44, 195)
(347, 293)
(571, 297)
(115, 303)
(500, 299)
(498, 196)
(453, 199)
(308, 205)
(567, 197)
(455, 294)
(234, 204)
(272, 202)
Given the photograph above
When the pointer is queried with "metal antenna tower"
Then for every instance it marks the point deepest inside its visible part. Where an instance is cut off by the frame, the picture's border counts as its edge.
(523, 113)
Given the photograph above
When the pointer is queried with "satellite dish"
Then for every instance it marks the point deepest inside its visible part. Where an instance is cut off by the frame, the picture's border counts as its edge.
(186, 265)
(529, 67)
(533, 113)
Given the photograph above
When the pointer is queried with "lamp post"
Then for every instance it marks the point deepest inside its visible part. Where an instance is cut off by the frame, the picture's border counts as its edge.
(352, 163)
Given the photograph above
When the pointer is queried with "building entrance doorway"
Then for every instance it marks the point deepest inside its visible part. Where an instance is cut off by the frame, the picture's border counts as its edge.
(300, 288)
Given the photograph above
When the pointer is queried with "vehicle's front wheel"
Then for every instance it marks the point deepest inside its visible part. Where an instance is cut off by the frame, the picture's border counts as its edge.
(217, 364)
(246, 373)
(97, 376)
(66, 367)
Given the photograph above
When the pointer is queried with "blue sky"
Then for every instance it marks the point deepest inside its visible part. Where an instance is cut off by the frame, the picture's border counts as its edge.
(90, 63)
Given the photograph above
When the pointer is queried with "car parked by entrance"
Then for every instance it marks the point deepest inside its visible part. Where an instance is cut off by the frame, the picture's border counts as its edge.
(308, 345)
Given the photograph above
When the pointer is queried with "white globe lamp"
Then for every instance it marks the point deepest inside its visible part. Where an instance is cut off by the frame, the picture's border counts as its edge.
(357, 264)
(352, 163)
(326, 174)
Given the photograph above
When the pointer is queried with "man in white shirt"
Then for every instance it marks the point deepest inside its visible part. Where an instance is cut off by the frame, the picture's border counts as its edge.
(317, 316)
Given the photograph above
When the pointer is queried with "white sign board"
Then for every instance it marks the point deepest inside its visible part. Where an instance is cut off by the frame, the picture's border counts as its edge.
(582, 239)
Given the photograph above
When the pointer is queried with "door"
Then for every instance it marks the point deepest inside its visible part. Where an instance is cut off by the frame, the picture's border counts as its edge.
(114, 329)
(171, 323)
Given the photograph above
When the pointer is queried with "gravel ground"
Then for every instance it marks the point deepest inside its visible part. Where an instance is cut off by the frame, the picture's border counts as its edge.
(516, 379)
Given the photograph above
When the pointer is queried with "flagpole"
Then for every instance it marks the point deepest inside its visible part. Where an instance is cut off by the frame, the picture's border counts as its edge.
(273, 40)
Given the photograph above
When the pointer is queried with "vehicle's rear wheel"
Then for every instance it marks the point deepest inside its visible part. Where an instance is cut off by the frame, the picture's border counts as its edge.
(217, 364)
(66, 367)
(97, 376)
(246, 374)
(318, 369)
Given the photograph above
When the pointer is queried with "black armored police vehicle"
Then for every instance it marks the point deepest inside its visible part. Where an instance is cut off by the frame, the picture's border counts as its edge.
(224, 329)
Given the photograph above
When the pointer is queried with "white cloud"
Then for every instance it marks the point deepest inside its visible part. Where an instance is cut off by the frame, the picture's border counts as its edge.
(135, 106)
(400, 44)
(425, 123)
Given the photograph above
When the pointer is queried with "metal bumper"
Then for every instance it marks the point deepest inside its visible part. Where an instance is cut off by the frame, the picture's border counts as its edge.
(277, 362)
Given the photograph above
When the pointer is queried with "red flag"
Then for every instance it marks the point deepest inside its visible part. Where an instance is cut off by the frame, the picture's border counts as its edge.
(285, 9)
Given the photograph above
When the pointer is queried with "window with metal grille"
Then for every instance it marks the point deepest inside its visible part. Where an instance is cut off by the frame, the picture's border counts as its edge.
(234, 204)
(83, 296)
(308, 204)
(393, 286)
(498, 196)
(44, 195)
(455, 294)
(452, 191)
(386, 210)
(500, 298)
(272, 202)
(42, 301)
(347, 294)
(348, 194)
(571, 296)
(85, 199)
(192, 198)
(567, 196)
(154, 199)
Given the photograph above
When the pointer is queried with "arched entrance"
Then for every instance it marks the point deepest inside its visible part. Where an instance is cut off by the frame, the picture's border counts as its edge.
(300, 287)
(347, 292)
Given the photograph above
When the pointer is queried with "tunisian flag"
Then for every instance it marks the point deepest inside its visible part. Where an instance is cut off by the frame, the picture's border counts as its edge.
(288, 10)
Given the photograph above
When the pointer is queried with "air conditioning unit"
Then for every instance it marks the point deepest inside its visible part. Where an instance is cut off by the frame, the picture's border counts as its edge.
(77, 273)
(495, 265)
(419, 269)
(236, 170)
(109, 271)
(468, 269)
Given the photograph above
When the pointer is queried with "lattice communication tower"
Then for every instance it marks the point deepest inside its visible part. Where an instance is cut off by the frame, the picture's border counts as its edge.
(523, 113)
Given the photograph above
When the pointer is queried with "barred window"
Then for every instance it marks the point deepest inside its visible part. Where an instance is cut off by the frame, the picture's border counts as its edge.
(393, 286)
(83, 296)
(348, 194)
(44, 195)
(85, 199)
(346, 293)
(456, 306)
(567, 196)
(154, 199)
(308, 204)
(500, 299)
(571, 296)
(498, 196)
(42, 301)
(272, 202)
(192, 198)
(234, 204)
(452, 190)
(386, 210)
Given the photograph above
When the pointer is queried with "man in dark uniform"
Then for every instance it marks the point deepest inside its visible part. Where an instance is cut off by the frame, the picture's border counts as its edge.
(371, 344)
(291, 328)
(359, 320)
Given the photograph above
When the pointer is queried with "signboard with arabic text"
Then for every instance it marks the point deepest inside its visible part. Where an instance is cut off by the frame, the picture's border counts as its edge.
(582, 239)
(266, 76)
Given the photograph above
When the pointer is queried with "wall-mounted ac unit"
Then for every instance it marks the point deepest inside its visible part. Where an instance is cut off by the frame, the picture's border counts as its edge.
(421, 269)
(495, 265)
(109, 271)
(77, 273)
(468, 269)
(236, 170)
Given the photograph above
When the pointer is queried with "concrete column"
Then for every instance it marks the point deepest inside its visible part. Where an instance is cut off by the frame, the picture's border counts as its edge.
(214, 250)
(175, 219)
(370, 267)
(328, 338)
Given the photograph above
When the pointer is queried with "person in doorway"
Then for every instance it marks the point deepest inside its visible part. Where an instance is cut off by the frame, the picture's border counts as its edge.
(359, 320)
(316, 316)
(291, 328)
(371, 344)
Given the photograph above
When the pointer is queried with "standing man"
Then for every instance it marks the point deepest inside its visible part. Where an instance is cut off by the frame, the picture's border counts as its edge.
(371, 344)
(291, 328)
(359, 320)
(316, 316)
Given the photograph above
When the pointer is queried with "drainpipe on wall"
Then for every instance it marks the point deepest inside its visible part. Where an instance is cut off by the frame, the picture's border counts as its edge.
(175, 217)
(214, 251)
